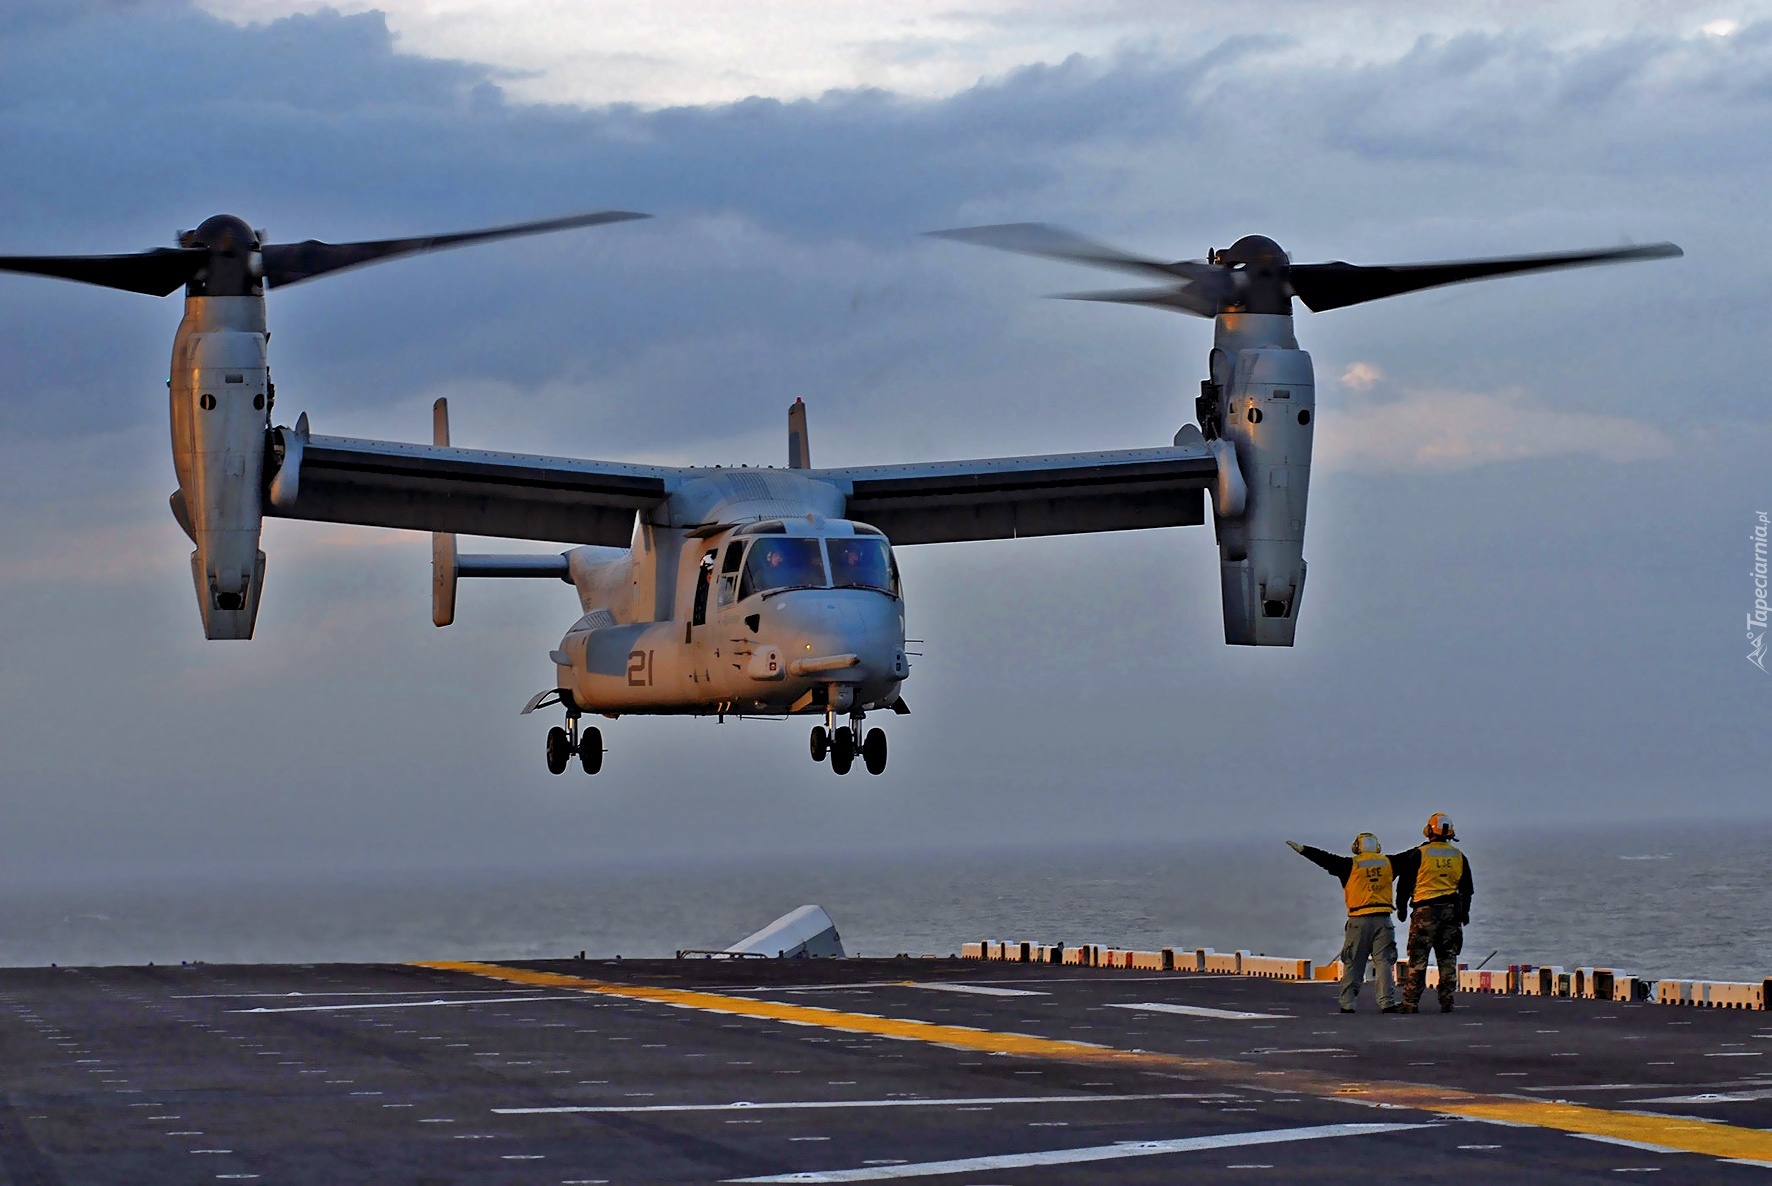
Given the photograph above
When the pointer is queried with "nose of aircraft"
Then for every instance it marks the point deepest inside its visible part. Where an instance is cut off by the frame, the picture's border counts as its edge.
(817, 624)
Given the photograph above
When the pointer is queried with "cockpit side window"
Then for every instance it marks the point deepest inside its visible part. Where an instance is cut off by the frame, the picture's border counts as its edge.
(862, 562)
(729, 571)
(703, 578)
(791, 562)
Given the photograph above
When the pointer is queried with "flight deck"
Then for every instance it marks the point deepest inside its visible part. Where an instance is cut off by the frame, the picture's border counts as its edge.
(846, 1070)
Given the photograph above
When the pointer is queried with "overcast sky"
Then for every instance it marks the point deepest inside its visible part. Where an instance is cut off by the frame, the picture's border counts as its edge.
(1531, 514)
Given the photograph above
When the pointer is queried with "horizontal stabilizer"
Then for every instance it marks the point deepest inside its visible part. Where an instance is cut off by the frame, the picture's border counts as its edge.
(799, 934)
(467, 565)
(448, 565)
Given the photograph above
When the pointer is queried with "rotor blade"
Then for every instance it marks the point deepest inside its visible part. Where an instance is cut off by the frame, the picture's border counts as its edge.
(154, 273)
(1183, 299)
(291, 263)
(1050, 242)
(1337, 285)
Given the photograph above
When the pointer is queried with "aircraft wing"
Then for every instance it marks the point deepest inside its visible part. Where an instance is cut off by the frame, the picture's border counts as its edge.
(465, 491)
(1055, 494)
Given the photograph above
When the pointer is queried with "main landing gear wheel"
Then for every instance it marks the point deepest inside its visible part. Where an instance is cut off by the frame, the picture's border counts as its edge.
(843, 750)
(821, 743)
(873, 751)
(590, 750)
(559, 750)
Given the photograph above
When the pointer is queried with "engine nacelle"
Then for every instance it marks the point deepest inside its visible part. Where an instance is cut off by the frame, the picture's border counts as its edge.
(1267, 406)
(220, 404)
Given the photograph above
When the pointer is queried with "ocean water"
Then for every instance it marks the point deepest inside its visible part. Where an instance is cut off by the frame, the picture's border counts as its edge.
(1655, 901)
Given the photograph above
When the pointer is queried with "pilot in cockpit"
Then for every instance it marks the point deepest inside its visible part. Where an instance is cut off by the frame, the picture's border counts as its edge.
(846, 555)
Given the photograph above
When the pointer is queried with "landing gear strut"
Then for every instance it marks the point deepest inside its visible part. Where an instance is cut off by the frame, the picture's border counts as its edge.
(563, 743)
(843, 744)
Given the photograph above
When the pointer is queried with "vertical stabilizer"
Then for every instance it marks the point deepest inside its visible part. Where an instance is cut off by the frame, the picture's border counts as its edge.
(442, 542)
(799, 444)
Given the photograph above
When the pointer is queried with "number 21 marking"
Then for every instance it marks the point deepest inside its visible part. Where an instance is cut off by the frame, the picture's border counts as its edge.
(640, 669)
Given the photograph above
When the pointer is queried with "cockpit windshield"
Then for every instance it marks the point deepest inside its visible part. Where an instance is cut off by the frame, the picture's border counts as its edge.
(861, 562)
(783, 562)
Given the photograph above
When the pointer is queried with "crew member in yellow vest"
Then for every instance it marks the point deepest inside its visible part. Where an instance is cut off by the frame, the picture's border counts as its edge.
(1436, 878)
(1366, 882)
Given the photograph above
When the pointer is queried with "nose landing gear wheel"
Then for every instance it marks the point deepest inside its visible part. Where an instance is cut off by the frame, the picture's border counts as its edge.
(873, 751)
(590, 750)
(821, 743)
(843, 750)
(559, 750)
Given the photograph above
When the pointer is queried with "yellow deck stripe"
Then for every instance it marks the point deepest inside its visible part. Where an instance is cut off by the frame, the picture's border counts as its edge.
(1671, 1132)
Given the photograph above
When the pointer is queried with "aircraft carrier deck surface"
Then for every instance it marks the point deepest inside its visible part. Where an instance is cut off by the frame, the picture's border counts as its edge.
(849, 1070)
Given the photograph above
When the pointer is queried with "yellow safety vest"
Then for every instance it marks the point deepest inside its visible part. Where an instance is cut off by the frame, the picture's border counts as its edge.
(1442, 868)
(1368, 886)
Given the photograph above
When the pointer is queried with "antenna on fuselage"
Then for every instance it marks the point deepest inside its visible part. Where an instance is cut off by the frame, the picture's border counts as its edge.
(799, 444)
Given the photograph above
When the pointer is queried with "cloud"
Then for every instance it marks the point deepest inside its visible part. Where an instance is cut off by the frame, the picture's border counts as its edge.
(1380, 431)
(693, 52)
(1361, 376)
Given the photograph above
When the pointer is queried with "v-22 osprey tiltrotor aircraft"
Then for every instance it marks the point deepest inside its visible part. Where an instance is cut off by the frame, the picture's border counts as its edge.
(743, 591)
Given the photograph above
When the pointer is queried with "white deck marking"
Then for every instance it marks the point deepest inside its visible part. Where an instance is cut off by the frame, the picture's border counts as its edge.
(1309, 1050)
(936, 985)
(401, 1004)
(818, 987)
(983, 990)
(895, 1102)
(929, 984)
(1202, 1011)
(1012, 1161)
(1709, 1097)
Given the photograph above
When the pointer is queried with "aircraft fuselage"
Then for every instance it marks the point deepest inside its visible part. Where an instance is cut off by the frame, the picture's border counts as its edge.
(805, 645)
(761, 606)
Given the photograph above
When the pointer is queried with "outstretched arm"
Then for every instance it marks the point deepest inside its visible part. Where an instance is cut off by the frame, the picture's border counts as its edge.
(1339, 866)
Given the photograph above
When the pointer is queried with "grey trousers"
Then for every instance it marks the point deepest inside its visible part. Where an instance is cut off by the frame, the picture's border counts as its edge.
(1369, 935)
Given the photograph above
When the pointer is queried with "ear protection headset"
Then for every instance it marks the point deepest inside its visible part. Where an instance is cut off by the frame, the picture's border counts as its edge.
(1439, 827)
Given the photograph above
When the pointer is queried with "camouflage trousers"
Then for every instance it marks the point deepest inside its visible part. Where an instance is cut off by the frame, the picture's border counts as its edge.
(1433, 928)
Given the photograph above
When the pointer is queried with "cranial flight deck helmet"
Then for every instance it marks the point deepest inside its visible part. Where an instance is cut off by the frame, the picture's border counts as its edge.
(1366, 844)
(1439, 827)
